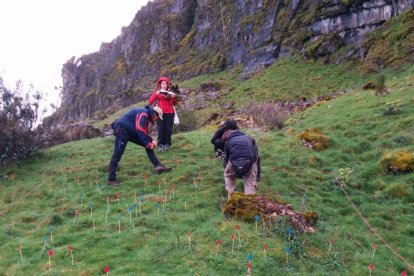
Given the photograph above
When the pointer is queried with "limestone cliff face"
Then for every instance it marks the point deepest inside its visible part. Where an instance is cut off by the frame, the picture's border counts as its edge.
(184, 38)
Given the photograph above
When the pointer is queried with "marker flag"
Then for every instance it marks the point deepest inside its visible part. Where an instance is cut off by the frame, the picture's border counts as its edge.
(257, 220)
(19, 248)
(374, 247)
(404, 273)
(189, 239)
(91, 206)
(287, 251)
(50, 253)
(232, 246)
(77, 212)
(238, 234)
(70, 248)
(264, 249)
(78, 178)
(330, 245)
(218, 246)
(106, 269)
(51, 228)
(136, 209)
(250, 257)
(371, 268)
(129, 212)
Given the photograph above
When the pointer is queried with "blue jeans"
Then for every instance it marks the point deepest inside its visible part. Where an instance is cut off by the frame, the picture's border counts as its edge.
(122, 137)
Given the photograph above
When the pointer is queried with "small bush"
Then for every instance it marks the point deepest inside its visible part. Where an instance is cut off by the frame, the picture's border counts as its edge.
(266, 114)
(188, 121)
(393, 107)
(380, 85)
(342, 177)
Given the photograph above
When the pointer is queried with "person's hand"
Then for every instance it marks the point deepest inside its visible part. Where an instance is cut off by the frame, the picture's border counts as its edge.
(172, 95)
(153, 145)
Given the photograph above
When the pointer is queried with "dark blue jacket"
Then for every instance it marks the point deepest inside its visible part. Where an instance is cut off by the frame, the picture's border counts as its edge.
(240, 145)
(136, 122)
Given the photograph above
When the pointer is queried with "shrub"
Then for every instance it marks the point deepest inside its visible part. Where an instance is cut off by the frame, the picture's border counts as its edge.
(18, 116)
(380, 85)
(266, 114)
(188, 121)
(393, 107)
(342, 177)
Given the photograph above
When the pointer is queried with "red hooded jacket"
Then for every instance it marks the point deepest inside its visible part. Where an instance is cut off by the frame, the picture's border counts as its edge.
(165, 102)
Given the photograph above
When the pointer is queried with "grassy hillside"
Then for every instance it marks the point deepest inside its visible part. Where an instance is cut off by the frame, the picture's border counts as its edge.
(39, 201)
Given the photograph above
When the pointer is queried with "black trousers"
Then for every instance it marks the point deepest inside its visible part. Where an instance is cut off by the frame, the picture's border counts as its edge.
(164, 127)
(122, 137)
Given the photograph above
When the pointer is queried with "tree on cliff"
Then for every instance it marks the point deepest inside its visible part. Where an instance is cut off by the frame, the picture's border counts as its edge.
(18, 116)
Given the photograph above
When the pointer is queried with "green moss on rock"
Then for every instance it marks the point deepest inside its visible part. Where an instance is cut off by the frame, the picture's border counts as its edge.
(268, 208)
(398, 162)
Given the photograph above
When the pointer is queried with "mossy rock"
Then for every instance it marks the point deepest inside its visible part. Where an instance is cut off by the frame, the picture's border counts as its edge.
(398, 162)
(268, 208)
(314, 139)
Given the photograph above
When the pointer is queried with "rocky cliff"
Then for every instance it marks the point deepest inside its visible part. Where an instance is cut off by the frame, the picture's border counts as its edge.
(184, 38)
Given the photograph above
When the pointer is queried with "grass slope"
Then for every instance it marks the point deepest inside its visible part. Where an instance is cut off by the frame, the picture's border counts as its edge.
(45, 194)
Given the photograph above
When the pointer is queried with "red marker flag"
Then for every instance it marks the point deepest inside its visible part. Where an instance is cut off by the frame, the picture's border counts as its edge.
(189, 239)
(232, 246)
(50, 255)
(264, 249)
(404, 273)
(70, 248)
(330, 245)
(371, 268)
(218, 246)
(106, 269)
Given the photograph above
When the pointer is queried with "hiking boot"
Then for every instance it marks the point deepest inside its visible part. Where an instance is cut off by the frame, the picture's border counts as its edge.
(114, 182)
(161, 147)
(161, 168)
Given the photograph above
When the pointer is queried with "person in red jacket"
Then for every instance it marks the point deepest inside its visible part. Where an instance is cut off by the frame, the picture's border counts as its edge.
(166, 100)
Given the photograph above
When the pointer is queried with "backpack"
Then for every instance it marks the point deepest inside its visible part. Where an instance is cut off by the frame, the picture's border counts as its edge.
(241, 166)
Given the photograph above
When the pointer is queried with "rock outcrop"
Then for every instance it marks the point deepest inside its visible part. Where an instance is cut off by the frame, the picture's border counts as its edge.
(184, 38)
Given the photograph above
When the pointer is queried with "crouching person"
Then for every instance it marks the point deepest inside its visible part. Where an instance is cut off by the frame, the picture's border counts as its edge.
(241, 160)
(217, 140)
(133, 127)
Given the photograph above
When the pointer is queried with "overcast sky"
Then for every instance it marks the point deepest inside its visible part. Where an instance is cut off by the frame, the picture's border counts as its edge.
(38, 36)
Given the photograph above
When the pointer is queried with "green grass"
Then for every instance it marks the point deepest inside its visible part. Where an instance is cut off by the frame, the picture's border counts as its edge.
(44, 193)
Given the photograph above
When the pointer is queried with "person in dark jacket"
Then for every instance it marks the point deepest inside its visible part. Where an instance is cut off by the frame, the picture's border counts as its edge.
(133, 127)
(216, 139)
(241, 160)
